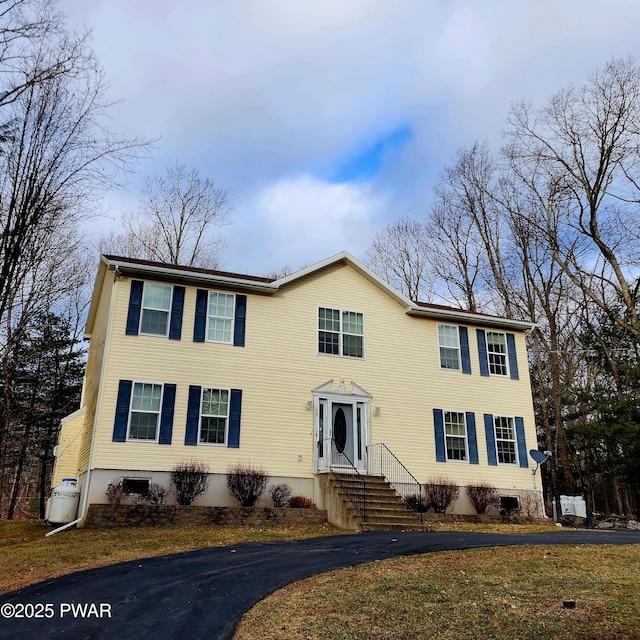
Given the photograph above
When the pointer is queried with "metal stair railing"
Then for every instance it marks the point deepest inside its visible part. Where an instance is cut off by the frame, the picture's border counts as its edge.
(382, 462)
(350, 478)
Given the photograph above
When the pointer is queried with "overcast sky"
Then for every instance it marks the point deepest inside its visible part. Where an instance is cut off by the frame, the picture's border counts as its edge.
(326, 120)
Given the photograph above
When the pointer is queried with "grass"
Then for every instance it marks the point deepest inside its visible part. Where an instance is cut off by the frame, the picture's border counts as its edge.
(26, 556)
(510, 592)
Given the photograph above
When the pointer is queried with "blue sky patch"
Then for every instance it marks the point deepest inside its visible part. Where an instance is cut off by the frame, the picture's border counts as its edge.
(366, 163)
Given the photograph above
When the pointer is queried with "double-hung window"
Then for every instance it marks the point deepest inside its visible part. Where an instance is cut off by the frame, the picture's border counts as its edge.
(220, 312)
(144, 414)
(156, 307)
(455, 435)
(449, 342)
(340, 332)
(506, 446)
(214, 416)
(497, 353)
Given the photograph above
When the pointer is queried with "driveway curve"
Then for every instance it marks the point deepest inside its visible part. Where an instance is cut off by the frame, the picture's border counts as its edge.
(203, 594)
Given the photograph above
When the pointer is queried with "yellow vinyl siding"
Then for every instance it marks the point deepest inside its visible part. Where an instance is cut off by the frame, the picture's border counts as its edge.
(280, 366)
(68, 448)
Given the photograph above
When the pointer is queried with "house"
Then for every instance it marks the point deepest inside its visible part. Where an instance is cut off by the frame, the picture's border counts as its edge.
(324, 370)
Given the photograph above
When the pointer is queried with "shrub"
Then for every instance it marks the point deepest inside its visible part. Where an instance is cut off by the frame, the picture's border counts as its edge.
(155, 494)
(482, 496)
(115, 492)
(280, 494)
(440, 493)
(247, 484)
(419, 504)
(189, 479)
(301, 502)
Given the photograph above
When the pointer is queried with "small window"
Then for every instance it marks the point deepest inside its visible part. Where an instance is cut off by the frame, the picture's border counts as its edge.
(455, 430)
(220, 317)
(156, 306)
(135, 486)
(144, 415)
(506, 447)
(497, 353)
(449, 341)
(214, 416)
(509, 505)
(340, 332)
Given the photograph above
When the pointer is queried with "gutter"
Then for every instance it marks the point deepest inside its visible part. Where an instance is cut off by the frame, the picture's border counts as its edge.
(86, 485)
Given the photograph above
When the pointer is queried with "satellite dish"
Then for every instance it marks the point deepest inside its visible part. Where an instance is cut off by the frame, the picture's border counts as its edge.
(538, 456)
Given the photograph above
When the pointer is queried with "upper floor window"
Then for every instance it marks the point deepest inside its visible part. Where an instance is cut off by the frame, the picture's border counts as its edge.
(506, 446)
(340, 332)
(449, 346)
(497, 353)
(156, 307)
(455, 435)
(220, 317)
(220, 313)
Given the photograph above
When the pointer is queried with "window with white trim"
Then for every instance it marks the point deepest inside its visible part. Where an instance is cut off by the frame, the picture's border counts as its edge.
(144, 412)
(455, 431)
(156, 307)
(497, 353)
(220, 311)
(506, 446)
(449, 342)
(340, 333)
(214, 416)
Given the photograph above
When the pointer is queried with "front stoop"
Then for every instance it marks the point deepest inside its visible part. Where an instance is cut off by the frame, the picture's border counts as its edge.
(384, 510)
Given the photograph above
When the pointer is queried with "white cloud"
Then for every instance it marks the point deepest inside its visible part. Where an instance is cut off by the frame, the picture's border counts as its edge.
(299, 221)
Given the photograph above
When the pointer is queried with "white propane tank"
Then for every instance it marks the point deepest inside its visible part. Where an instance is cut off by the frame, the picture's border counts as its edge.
(63, 505)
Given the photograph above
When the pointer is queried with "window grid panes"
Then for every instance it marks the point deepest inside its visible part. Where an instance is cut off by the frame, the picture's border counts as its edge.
(448, 338)
(456, 435)
(505, 440)
(156, 305)
(340, 332)
(497, 353)
(220, 317)
(214, 411)
(353, 330)
(145, 411)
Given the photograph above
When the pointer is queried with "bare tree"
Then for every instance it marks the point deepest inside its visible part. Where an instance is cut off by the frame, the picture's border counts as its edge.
(588, 139)
(398, 254)
(57, 154)
(175, 222)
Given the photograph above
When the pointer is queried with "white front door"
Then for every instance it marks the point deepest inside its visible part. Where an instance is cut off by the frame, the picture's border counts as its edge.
(341, 433)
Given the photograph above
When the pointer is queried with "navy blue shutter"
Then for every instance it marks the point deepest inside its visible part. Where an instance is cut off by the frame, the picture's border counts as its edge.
(240, 321)
(135, 307)
(522, 443)
(464, 350)
(235, 410)
(166, 414)
(177, 306)
(482, 352)
(472, 438)
(193, 415)
(122, 411)
(438, 426)
(200, 322)
(513, 360)
(490, 435)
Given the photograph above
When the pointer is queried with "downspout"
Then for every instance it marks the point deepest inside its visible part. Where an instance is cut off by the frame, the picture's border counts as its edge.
(85, 496)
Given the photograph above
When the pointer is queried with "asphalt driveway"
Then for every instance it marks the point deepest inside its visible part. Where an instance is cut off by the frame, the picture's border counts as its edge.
(203, 594)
